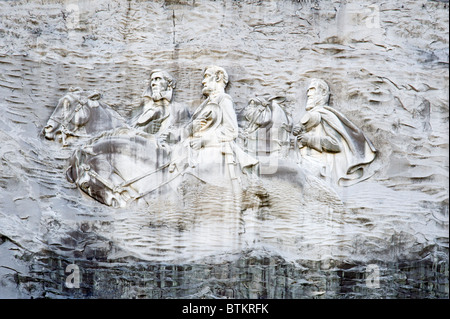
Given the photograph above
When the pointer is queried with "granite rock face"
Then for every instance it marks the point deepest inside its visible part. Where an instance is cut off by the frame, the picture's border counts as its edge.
(386, 64)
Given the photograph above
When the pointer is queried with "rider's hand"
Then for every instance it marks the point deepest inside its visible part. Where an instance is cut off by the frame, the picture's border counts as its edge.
(198, 124)
(297, 130)
(243, 134)
(196, 143)
(163, 138)
(304, 139)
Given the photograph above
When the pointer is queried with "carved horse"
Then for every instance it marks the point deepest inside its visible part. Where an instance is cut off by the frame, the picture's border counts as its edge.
(267, 127)
(80, 114)
(120, 167)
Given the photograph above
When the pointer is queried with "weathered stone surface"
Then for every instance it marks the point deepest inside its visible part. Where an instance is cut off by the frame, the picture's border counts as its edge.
(387, 68)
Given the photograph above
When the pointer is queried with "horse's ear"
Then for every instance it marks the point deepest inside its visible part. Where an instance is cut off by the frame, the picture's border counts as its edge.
(69, 174)
(75, 89)
(262, 99)
(95, 96)
(277, 99)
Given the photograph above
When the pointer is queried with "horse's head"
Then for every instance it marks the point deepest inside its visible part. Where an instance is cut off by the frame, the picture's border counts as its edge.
(279, 115)
(93, 172)
(66, 105)
(71, 112)
(268, 126)
(264, 112)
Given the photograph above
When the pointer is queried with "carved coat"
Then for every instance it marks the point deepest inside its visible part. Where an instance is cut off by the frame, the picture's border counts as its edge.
(159, 120)
(340, 146)
(219, 157)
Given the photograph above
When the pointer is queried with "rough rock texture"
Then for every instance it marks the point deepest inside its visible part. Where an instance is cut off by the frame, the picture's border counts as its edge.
(387, 66)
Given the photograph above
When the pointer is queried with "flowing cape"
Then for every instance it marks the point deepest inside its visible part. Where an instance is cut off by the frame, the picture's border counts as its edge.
(362, 152)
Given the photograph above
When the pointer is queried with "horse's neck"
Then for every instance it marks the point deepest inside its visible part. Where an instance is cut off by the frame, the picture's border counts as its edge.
(81, 115)
(112, 114)
(278, 115)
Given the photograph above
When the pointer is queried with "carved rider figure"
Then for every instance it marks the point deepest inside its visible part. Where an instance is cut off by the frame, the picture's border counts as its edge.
(211, 133)
(161, 116)
(328, 138)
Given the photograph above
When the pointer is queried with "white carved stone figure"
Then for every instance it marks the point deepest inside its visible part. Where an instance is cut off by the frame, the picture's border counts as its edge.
(80, 113)
(267, 129)
(117, 169)
(212, 151)
(124, 165)
(160, 115)
(326, 138)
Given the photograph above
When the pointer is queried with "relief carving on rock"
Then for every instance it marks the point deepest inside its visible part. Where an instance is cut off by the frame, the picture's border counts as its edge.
(268, 126)
(210, 151)
(329, 141)
(124, 162)
(160, 115)
(267, 131)
(80, 113)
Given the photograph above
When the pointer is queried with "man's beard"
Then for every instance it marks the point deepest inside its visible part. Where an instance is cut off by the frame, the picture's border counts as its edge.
(315, 101)
(158, 95)
(206, 90)
(156, 91)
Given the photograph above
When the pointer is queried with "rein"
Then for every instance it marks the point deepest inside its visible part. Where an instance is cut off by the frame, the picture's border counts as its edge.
(120, 188)
(155, 188)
